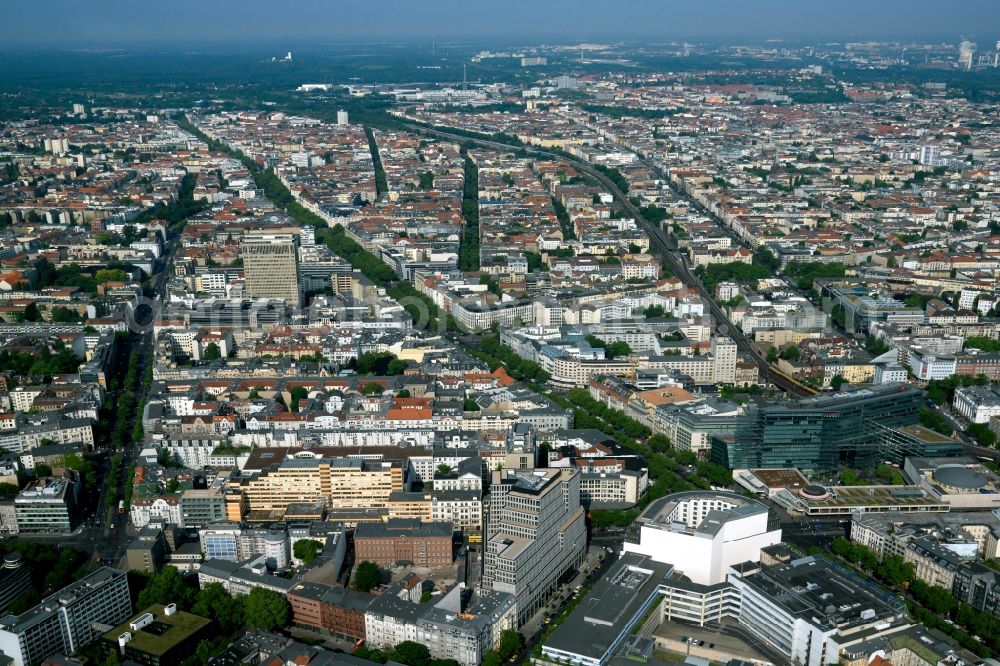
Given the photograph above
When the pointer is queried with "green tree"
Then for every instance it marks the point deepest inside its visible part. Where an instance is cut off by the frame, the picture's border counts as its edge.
(307, 550)
(772, 355)
(982, 433)
(371, 388)
(110, 275)
(212, 352)
(895, 571)
(411, 653)
(31, 312)
(379, 363)
(298, 393)
(654, 311)
(511, 643)
(367, 576)
(837, 382)
(659, 442)
(491, 658)
(617, 349)
(849, 477)
(791, 354)
(64, 315)
(214, 602)
(166, 586)
(265, 609)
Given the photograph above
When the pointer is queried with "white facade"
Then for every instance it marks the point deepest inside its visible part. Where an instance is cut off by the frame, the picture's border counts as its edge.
(889, 373)
(927, 366)
(977, 403)
(65, 621)
(702, 534)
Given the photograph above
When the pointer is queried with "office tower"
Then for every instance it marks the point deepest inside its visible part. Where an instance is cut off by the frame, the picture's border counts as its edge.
(67, 620)
(820, 433)
(536, 533)
(271, 266)
(724, 356)
(341, 117)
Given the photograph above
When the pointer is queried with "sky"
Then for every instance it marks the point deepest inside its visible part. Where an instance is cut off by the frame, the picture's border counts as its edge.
(74, 23)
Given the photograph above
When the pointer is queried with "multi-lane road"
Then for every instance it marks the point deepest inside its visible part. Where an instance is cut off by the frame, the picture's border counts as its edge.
(662, 242)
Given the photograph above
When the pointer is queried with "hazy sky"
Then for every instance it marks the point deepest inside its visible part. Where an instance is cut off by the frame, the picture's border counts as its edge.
(73, 23)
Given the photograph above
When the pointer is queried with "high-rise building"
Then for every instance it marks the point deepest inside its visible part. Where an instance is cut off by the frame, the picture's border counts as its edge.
(930, 155)
(67, 620)
(271, 266)
(820, 433)
(724, 354)
(536, 533)
(341, 117)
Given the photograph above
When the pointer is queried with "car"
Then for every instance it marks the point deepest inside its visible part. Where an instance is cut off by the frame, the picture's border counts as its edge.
(711, 645)
(701, 643)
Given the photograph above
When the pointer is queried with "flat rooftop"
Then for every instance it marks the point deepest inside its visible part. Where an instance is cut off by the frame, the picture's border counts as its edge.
(781, 478)
(816, 588)
(604, 614)
(163, 634)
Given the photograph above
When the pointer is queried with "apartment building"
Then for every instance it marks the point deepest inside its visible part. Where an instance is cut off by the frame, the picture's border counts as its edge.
(339, 483)
(65, 621)
(612, 489)
(448, 631)
(535, 533)
(341, 611)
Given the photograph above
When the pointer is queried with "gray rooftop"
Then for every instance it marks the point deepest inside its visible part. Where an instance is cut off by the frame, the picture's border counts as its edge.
(594, 626)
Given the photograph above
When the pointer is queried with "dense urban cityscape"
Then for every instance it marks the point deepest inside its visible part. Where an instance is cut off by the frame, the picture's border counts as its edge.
(453, 353)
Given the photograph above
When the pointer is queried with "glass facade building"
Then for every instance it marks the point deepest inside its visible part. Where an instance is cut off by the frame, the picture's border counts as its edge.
(822, 433)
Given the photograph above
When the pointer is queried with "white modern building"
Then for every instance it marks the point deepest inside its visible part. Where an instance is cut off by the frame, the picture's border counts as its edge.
(67, 620)
(927, 365)
(703, 533)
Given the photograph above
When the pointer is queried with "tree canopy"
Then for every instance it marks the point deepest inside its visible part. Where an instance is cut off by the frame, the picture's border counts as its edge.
(367, 576)
(166, 586)
(307, 550)
(266, 609)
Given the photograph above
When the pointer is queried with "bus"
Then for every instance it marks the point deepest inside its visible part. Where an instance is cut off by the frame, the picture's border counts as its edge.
(121, 506)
